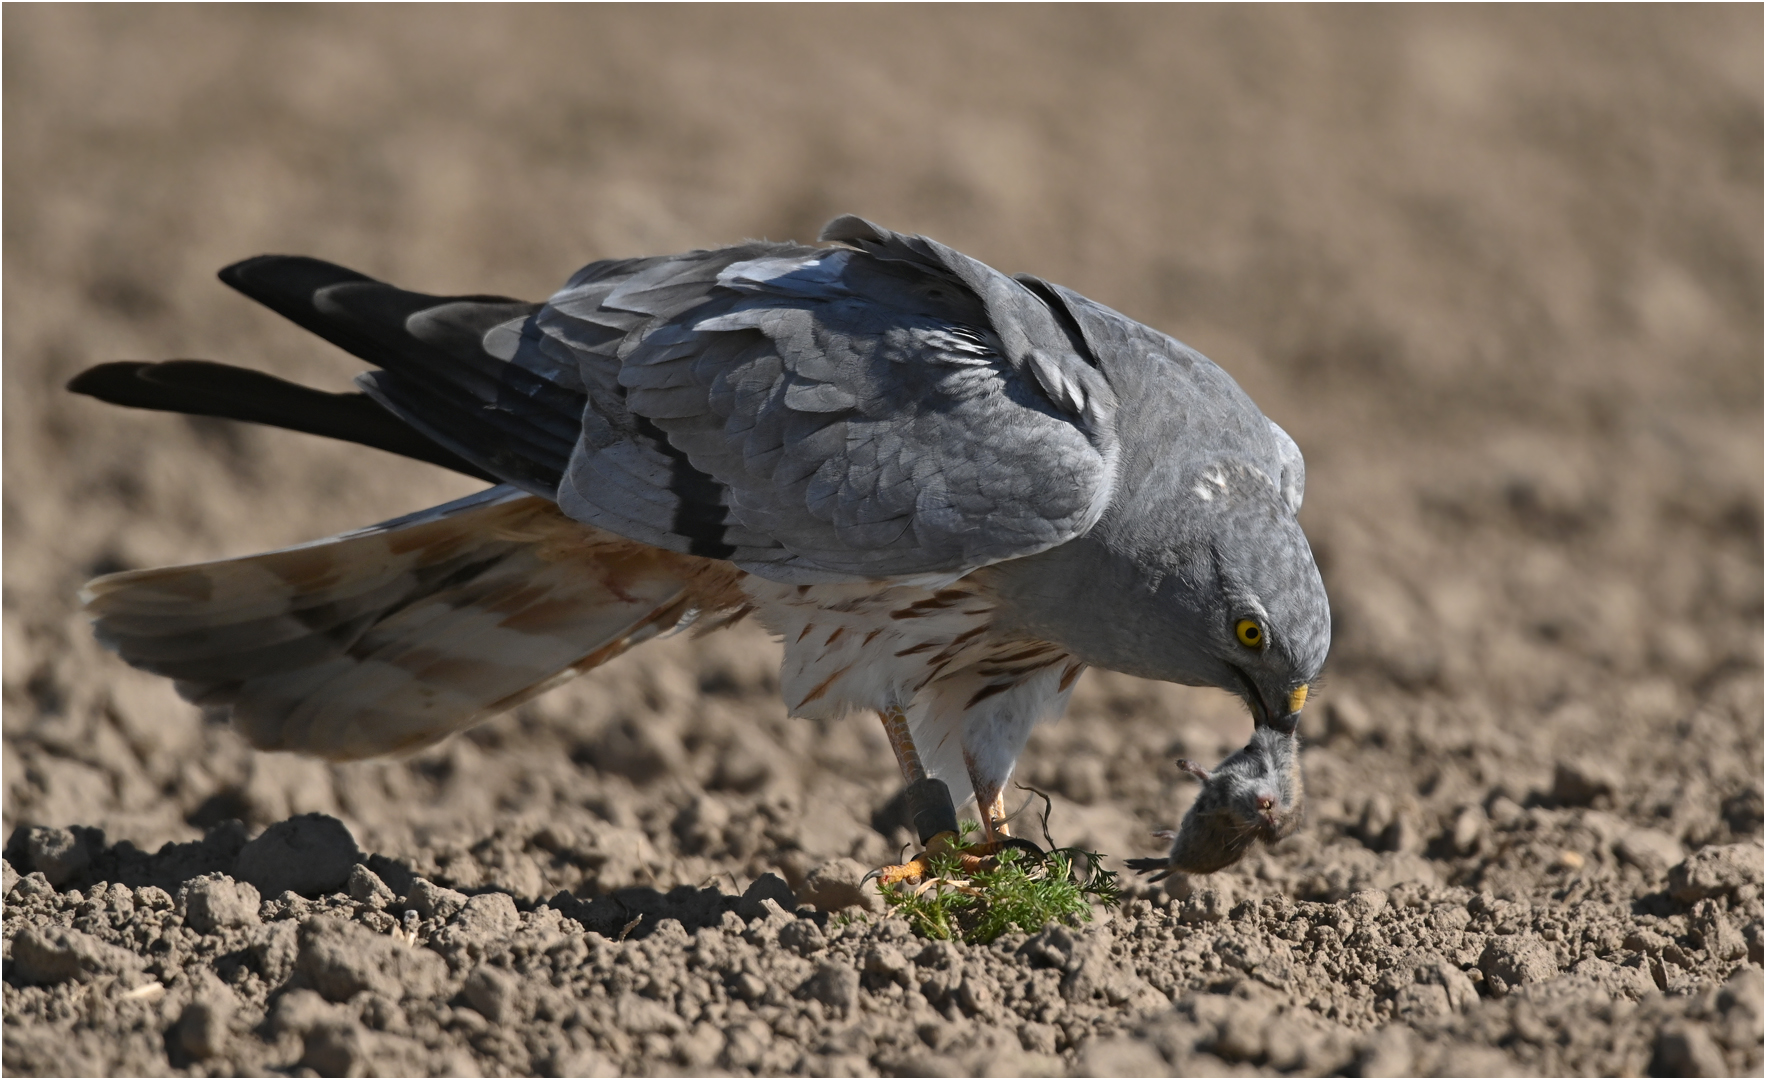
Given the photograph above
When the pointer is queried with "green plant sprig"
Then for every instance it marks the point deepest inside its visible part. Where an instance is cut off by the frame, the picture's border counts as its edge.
(1017, 893)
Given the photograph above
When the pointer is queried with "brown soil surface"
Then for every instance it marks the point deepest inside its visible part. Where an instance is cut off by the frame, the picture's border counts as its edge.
(1497, 270)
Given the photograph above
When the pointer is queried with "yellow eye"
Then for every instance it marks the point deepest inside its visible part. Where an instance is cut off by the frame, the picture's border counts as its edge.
(1250, 634)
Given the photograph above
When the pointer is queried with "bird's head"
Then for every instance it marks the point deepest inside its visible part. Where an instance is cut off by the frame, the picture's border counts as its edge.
(1256, 619)
(1203, 578)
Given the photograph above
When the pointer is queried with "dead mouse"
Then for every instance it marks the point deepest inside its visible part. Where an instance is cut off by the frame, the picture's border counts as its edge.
(1253, 795)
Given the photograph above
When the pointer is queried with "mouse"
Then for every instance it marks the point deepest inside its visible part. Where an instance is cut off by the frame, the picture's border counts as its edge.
(1256, 794)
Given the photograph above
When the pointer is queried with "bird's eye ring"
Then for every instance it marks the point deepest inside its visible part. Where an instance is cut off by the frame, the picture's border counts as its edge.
(1250, 634)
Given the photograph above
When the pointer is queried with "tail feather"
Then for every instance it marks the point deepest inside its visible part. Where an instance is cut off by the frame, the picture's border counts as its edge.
(391, 638)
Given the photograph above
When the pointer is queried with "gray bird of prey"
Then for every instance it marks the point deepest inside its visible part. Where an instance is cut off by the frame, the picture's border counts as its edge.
(947, 491)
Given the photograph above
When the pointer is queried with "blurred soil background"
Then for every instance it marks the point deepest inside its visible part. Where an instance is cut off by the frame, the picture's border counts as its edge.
(1497, 270)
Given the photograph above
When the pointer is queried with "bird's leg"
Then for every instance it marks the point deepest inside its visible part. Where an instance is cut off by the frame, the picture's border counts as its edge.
(990, 799)
(995, 817)
(929, 802)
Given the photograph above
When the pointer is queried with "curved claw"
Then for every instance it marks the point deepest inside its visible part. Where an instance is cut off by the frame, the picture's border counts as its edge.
(1018, 843)
(970, 860)
(917, 867)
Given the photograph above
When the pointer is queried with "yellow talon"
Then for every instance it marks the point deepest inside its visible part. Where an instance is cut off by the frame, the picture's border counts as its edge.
(974, 858)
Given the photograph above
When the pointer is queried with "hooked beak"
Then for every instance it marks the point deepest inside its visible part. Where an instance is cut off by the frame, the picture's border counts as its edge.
(1285, 718)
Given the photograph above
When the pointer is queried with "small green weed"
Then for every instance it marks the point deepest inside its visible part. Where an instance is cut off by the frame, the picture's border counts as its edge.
(1019, 892)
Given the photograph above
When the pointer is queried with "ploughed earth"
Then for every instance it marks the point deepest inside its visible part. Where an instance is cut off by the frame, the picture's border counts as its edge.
(1497, 271)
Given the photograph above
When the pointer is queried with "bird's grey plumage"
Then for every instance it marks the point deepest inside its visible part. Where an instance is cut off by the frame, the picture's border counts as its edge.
(996, 478)
(897, 410)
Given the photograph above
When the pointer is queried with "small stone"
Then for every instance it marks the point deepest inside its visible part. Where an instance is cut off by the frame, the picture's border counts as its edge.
(1038, 1038)
(311, 855)
(276, 945)
(1743, 810)
(1366, 905)
(1503, 811)
(1716, 871)
(584, 1061)
(432, 901)
(206, 1023)
(748, 986)
(699, 1047)
(1201, 898)
(765, 887)
(341, 959)
(1650, 850)
(495, 993)
(1717, 935)
(1121, 1055)
(1516, 959)
(213, 902)
(365, 887)
(8, 878)
(641, 1016)
(803, 937)
(1239, 1028)
(299, 1011)
(53, 954)
(336, 1047)
(488, 913)
(1468, 827)
(1631, 982)
(57, 854)
(1422, 1001)
(1583, 782)
(747, 1042)
(834, 985)
(839, 884)
(1687, 1049)
(1461, 993)
(1388, 1052)
(887, 962)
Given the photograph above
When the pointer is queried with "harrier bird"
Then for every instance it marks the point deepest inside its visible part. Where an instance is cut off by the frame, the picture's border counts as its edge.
(947, 491)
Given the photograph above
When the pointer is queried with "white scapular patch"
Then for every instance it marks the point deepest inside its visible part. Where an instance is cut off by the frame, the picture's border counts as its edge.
(1212, 475)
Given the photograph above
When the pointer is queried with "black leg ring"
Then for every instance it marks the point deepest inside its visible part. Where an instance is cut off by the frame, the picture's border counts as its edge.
(933, 811)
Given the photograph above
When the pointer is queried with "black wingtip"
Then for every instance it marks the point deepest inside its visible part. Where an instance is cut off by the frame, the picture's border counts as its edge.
(276, 280)
(108, 382)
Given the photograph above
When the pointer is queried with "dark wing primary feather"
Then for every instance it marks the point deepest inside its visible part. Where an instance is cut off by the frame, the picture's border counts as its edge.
(463, 370)
(204, 388)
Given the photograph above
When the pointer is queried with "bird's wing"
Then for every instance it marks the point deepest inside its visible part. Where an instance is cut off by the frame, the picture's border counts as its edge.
(889, 409)
(892, 409)
(1293, 476)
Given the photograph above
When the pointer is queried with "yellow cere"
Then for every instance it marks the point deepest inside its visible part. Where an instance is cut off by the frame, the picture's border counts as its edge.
(1297, 699)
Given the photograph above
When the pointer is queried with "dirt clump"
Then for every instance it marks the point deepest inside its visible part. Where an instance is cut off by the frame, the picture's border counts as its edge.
(371, 981)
